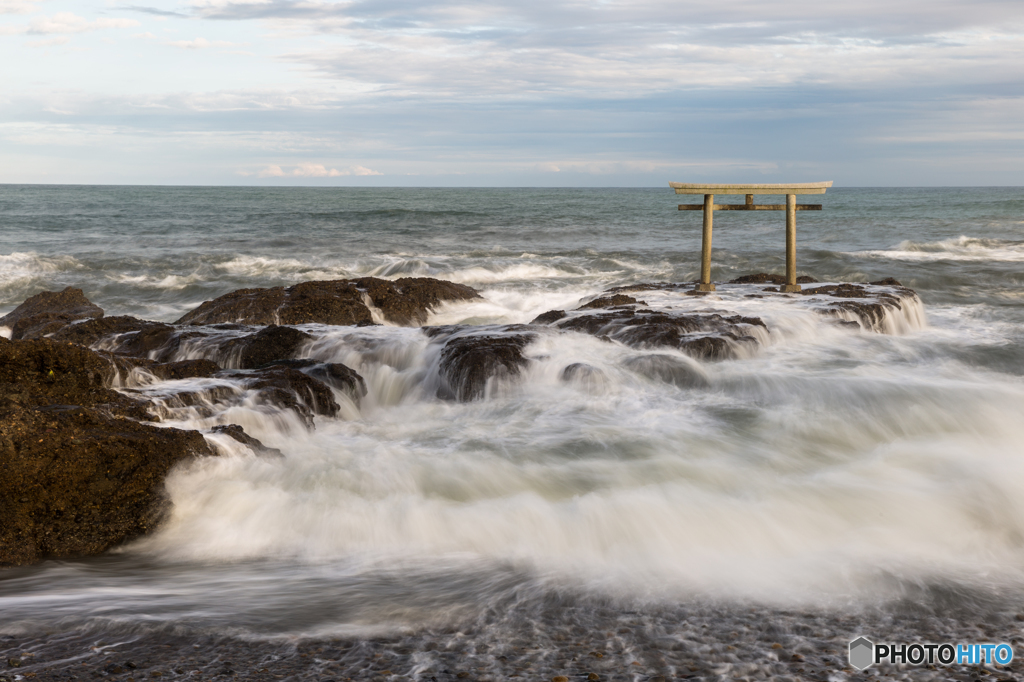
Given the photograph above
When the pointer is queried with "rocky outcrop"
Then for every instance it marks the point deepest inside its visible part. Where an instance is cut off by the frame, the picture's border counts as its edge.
(334, 374)
(127, 335)
(709, 336)
(611, 301)
(288, 389)
(237, 433)
(78, 473)
(765, 278)
(48, 311)
(338, 302)
(868, 307)
(265, 346)
(471, 359)
(408, 300)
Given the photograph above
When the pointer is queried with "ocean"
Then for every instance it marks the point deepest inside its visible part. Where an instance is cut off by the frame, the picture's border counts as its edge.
(830, 469)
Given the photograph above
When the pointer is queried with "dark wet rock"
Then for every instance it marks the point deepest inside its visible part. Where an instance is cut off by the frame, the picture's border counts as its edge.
(43, 372)
(408, 300)
(610, 301)
(266, 345)
(205, 400)
(238, 433)
(334, 374)
(888, 282)
(289, 389)
(128, 335)
(869, 306)
(652, 286)
(77, 474)
(338, 302)
(49, 311)
(469, 361)
(549, 317)
(584, 375)
(334, 302)
(765, 278)
(185, 369)
(845, 290)
(702, 335)
(340, 377)
(668, 368)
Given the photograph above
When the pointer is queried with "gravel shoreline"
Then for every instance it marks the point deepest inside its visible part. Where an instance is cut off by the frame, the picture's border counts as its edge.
(565, 644)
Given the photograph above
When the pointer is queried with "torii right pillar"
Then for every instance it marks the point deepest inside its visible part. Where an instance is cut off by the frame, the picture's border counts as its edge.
(790, 286)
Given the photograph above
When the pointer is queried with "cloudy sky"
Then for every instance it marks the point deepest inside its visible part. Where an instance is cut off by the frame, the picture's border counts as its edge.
(512, 92)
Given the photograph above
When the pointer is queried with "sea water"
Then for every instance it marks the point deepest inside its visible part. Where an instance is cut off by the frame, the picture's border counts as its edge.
(829, 468)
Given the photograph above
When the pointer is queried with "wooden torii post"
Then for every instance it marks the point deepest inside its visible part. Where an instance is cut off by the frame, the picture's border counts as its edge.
(790, 207)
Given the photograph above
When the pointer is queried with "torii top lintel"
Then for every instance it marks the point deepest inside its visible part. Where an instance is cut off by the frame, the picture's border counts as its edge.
(786, 188)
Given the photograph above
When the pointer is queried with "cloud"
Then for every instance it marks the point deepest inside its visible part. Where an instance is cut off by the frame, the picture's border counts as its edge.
(154, 11)
(199, 43)
(310, 170)
(18, 6)
(64, 23)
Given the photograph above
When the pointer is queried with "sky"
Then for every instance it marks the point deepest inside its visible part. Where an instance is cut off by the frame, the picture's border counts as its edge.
(511, 93)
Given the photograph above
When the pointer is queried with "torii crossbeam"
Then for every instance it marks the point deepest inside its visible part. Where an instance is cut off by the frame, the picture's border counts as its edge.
(791, 207)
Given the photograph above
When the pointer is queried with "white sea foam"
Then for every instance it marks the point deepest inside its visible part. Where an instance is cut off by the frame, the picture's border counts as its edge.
(798, 473)
(962, 248)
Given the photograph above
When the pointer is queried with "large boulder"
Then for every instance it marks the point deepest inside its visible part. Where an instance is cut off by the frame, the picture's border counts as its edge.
(471, 359)
(267, 345)
(334, 374)
(289, 389)
(48, 311)
(710, 336)
(127, 335)
(869, 305)
(78, 474)
(337, 302)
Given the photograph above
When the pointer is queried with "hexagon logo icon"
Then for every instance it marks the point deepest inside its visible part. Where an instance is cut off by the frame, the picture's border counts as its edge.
(862, 653)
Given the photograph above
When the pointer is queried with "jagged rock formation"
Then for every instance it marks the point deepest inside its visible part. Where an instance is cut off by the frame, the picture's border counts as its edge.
(48, 311)
(471, 359)
(78, 473)
(339, 302)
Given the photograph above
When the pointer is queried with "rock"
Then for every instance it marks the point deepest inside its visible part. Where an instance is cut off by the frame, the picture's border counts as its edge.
(549, 317)
(185, 369)
(289, 389)
(48, 311)
(469, 361)
(77, 474)
(408, 300)
(702, 335)
(128, 335)
(765, 278)
(338, 302)
(584, 375)
(872, 306)
(266, 345)
(238, 433)
(43, 372)
(609, 301)
(668, 368)
(887, 282)
(334, 374)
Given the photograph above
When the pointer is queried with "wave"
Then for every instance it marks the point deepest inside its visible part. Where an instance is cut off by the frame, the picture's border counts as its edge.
(961, 248)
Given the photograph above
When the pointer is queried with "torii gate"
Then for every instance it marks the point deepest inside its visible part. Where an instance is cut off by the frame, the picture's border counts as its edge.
(791, 207)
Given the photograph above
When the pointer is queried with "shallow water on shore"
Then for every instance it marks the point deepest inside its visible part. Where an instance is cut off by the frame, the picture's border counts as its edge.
(827, 467)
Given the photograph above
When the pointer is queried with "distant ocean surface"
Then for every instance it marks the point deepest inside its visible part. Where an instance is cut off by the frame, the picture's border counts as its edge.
(830, 469)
